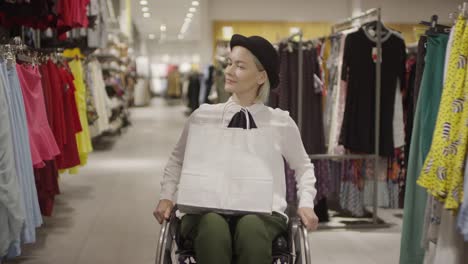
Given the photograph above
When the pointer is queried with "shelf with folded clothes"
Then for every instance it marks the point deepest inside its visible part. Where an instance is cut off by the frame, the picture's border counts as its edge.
(109, 57)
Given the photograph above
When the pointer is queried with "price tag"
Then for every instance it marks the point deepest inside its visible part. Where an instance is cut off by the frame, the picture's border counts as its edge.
(374, 55)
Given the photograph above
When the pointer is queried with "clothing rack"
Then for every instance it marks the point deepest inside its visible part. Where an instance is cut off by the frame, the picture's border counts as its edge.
(300, 69)
(347, 23)
(370, 15)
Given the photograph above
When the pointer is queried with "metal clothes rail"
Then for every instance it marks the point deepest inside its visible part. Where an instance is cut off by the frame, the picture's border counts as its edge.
(369, 15)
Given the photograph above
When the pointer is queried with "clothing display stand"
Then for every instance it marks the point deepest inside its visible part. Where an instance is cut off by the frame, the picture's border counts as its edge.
(300, 69)
(368, 16)
(300, 81)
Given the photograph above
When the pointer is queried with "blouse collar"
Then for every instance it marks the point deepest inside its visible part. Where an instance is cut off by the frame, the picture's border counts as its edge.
(255, 108)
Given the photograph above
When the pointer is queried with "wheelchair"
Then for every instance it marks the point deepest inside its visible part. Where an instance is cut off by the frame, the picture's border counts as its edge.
(291, 247)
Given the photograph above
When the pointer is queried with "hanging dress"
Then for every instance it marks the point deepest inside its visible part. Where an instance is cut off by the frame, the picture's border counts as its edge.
(442, 173)
(41, 138)
(22, 152)
(425, 118)
(70, 157)
(11, 209)
(83, 138)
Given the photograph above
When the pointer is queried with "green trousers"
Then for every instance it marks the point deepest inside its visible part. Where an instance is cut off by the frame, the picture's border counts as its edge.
(243, 239)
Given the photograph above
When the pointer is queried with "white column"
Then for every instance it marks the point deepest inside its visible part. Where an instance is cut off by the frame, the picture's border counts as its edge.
(125, 19)
(205, 43)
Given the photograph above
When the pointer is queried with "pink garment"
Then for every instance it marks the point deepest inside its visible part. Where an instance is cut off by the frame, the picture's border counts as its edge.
(42, 141)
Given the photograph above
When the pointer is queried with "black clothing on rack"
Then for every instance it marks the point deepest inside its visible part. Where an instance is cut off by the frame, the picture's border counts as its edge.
(287, 94)
(194, 91)
(312, 111)
(358, 128)
(209, 82)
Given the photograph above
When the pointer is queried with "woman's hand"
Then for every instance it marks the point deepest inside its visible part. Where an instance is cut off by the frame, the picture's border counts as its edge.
(308, 217)
(163, 210)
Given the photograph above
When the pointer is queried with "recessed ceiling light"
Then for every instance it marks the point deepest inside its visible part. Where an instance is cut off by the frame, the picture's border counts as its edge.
(151, 36)
(195, 3)
(192, 9)
(143, 2)
(188, 19)
(145, 9)
(146, 15)
(190, 15)
(163, 27)
(180, 36)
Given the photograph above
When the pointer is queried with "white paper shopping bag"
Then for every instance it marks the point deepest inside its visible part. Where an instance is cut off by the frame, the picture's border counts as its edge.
(229, 170)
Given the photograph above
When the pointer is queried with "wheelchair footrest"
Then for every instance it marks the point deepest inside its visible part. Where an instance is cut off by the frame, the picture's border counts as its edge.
(187, 257)
(282, 259)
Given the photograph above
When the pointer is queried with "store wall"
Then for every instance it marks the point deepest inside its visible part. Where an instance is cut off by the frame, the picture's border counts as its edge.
(276, 31)
(394, 11)
(274, 18)
(406, 11)
(174, 52)
(279, 10)
(315, 17)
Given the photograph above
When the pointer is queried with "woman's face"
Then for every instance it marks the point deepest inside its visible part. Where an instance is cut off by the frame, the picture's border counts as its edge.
(242, 74)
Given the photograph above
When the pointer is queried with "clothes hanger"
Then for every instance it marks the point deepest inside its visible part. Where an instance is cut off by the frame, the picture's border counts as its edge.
(8, 55)
(434, 27)
(463, 9)
(371, 26)
(25, 55)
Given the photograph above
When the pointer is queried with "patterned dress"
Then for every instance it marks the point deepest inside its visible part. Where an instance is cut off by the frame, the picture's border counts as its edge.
(442, 173)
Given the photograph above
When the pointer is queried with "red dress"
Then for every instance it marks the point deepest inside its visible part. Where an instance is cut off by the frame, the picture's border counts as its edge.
(47, 178)
(47, 186)
(71, 14)
(53, 94)
(42, 141)
(70, 156)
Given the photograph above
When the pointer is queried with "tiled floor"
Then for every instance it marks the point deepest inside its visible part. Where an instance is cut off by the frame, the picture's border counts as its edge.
(104, 214)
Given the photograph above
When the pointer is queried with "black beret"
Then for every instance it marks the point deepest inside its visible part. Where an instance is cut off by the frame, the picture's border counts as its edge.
(265, 53)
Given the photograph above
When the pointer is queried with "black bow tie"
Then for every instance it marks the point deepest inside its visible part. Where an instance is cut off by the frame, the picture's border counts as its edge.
(239, 120)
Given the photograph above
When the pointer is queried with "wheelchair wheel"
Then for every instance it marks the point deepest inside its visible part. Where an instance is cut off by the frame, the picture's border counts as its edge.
(301, 243)
(165, 245)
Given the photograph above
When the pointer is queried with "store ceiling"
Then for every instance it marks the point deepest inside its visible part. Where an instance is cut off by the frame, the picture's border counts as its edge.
(168, 14)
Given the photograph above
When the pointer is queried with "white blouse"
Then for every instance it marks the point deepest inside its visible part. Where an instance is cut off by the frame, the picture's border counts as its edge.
(291, 146)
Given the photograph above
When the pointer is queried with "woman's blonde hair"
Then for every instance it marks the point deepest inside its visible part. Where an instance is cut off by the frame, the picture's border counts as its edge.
(264, 89)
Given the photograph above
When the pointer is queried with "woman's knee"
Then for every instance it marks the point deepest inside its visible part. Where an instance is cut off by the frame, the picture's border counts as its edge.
(214, 227)
(213, 241)
(252, 243)
(251, 229)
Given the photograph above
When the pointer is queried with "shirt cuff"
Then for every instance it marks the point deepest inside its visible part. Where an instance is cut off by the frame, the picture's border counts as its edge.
(306, 200)
(168, 195)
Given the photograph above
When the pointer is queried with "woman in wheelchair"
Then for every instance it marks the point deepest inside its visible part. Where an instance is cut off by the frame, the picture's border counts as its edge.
(252, 70)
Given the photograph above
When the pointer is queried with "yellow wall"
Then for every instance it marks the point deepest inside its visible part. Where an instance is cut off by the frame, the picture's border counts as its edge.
(410, 32)
(275, 31)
